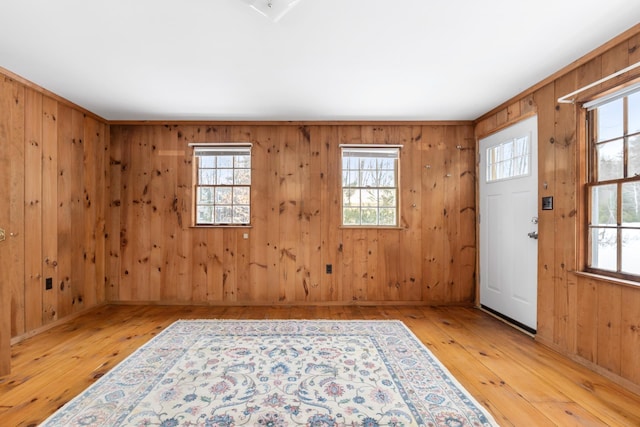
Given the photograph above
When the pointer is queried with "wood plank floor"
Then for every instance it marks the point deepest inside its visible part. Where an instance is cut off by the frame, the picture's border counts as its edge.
(521, 382)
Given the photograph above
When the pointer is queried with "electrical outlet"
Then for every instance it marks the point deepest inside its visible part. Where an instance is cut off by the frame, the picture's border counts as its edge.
(48, 283)
(329, 269)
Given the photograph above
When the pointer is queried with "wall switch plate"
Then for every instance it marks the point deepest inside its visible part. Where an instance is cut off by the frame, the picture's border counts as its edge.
(329, 269)
(48, 283)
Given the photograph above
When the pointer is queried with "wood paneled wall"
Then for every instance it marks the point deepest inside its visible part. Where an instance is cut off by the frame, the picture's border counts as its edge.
(58, 160)
(591, 320)
(295, 229)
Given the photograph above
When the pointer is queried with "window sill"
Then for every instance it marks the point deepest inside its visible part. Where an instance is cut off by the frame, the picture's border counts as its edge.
(608, 279)
(371, 227)
(221, 226)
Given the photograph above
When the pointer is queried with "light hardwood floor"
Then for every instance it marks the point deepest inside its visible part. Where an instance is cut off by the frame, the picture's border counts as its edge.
(521, 382)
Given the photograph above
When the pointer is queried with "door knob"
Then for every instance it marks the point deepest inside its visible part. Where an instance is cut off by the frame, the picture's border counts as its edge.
(533, 234)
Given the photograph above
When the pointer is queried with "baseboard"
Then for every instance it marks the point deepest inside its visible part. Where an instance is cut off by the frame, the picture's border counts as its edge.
(295, 303)
(53, 324)
(621, 381)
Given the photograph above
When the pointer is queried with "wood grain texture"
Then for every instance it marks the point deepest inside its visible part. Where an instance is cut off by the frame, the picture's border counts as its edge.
(591, 320)
(295, 221)
(56, 193)
(520, 381)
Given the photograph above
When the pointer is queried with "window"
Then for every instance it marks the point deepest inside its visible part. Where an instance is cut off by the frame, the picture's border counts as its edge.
(370, 185)
(614, 185)
(509, 159)
(222, 176)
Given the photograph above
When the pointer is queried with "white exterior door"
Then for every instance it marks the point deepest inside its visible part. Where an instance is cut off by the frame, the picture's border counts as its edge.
(508, 177)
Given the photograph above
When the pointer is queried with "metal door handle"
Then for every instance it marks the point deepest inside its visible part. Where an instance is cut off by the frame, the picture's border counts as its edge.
(533, 234)
(2, 237)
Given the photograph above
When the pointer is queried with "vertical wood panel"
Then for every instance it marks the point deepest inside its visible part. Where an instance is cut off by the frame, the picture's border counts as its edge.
(91, 167)
(50, 208)
(433, 233)
(467, 218)
(609, 328)
(11, 138)
(314, 213)
(75, 171)
(16, 229)
(587, 322)
(65, 187)
(630, 334)
(101, 200)
(33, 283)
(183, 213)
(565, 210)
(112, 290)
(410, 238)
(545, 100)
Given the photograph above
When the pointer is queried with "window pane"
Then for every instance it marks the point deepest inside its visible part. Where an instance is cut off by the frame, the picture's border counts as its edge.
(604, 248)
(387, 198)
(351, 216)
(387, 216)
(350, 179)
(207, 177)
(223, 214)
(205, 214)
(369, 216)
(604, 205)
(241, 214)
(350, 197)
(242, 162)
(631, 251)
(634, 113)
(224, 161)
(368, 163)
(241, 196)
(634, 156)
(205, 195)
(610, 160)
(369, 197)
(350, 163)
(387, 179)
(505, 169)
(386, 163)
(611, 120)
(242, 177)
(631, 203)
(225, 176)
(207, 161)
(223, 196)
(368, 178)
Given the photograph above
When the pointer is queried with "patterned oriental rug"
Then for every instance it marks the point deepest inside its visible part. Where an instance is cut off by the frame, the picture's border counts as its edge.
(219, 373)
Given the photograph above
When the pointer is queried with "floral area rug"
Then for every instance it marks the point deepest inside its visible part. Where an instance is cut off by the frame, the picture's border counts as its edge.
(219, 373)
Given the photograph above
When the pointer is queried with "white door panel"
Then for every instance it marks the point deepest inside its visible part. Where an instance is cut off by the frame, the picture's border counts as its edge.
(508, 213)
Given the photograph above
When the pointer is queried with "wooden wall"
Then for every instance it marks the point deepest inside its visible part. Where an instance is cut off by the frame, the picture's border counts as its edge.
(594, 321)
(295, 228)
(58, 158)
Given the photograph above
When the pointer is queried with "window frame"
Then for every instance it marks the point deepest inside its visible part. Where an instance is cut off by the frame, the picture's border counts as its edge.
(371, 148)
(219, 149)
(590, 114)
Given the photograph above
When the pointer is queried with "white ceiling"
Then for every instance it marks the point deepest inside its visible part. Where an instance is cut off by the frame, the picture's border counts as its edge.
(324, 60)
